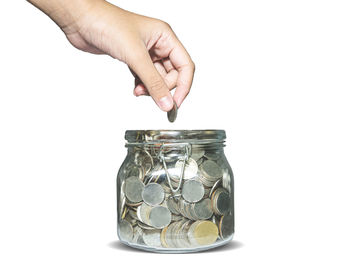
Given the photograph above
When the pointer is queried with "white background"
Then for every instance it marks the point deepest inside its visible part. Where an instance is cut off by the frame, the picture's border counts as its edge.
(273, 74)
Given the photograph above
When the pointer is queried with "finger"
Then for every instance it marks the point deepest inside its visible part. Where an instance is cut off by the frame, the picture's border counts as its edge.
(170, 79)
(140, 90)
(183, 63)
(167, 64)
(142, 65)
(160, 68)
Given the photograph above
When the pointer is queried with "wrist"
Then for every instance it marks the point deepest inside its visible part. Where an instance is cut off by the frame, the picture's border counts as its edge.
(65, 13)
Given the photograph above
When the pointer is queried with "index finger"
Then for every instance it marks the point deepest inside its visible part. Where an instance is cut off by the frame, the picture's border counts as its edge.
(184, 65)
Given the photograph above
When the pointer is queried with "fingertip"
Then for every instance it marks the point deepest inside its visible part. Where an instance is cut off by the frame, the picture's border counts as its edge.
(165, 103)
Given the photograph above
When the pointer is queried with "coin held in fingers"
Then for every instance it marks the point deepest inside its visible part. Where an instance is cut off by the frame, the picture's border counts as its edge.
(172, 113)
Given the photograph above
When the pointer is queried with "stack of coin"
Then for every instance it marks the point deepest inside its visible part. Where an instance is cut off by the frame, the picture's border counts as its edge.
(226, 226)
(196, 215)
(210, 172)
(194, 211)
(220, 201)
(202, 233)
(186, 233)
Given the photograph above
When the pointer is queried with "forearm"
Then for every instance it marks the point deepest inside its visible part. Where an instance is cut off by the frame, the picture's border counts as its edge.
(64, 12)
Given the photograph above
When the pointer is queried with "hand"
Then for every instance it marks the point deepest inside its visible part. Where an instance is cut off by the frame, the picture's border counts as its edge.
(155, 56)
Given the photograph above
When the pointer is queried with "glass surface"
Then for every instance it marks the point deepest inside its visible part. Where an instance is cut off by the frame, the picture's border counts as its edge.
(175, 191)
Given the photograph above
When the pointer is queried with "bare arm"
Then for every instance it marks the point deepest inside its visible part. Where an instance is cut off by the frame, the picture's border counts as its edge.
(150, 48)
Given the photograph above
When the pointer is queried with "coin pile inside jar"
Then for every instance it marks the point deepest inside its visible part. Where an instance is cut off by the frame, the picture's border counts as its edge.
(173, 211)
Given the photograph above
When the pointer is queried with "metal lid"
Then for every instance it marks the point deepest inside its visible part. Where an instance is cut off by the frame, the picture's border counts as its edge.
(159, 136)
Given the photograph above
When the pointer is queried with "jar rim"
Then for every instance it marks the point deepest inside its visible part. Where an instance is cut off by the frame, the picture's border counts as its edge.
(159, 136)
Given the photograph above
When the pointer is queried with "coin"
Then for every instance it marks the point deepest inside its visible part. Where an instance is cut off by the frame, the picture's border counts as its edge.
(162, 237)
(226, 226)
(137, 235)
(145, 160)
(190, 170)
(136, 171)
(183, 236)
(144, 226)
(131, 220)
(192, 191)
(197, 154)
(220, 201)
(202, 209)
(211, 171)
(215, 186)
(172, 114)
(203, 233)
(143, 213)
(176, 217)
(123, 214)
(153, 194)
(159, 217)
(172, 205)
(212, 155)
(125, 231)
(169, 236)
(133, 189)
(152, 238)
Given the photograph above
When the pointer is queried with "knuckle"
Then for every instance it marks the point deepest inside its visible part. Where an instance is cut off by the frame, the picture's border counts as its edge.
(193, 66)
(164, 24)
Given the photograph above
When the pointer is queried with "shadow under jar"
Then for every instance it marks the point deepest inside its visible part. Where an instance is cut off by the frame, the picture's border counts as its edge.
(175, 191)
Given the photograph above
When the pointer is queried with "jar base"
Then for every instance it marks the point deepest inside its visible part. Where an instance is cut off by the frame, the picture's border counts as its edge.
(178, 250)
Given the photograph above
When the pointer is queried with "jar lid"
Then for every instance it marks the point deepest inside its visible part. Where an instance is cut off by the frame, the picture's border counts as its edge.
(193, 136)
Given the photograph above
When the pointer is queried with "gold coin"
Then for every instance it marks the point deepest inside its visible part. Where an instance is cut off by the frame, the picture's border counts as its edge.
(205, 233)
(162, 237)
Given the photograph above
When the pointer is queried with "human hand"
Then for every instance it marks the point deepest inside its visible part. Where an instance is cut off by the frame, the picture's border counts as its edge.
(150, 48)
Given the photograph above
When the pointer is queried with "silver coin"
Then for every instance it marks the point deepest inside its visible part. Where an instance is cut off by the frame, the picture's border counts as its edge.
(183, 237)
(137, 235)
(197, 154)
(143, 213)
(226, 226)
(192, 191)
(159, 217)
(133, 189)
(153, 194)
(172, 114)
(176, 217)
(145, 160)
(190, 171)
(152, 238)
(215, 186)
(211, 155)
(200, 161)
(131, 220)
(144, 226)
(125, 231)
(203, 209)
(211, 170)
(172, 205)
(169, 238)
(223, 202)
(136, 171)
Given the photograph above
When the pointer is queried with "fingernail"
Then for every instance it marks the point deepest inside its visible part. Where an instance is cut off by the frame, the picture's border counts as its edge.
(166, 103)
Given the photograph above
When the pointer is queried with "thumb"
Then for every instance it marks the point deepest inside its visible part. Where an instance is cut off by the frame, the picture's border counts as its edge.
(143, 66)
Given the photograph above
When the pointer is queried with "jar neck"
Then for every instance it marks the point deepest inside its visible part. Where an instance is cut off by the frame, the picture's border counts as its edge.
(175, 148)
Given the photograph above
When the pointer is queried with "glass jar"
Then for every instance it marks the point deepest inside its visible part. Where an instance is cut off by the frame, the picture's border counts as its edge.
(175, 191)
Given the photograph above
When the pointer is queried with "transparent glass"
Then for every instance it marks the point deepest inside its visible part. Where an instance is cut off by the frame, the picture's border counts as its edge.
(175, 191)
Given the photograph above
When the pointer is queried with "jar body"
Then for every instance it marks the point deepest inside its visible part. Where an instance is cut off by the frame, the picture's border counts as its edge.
(175, 197)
